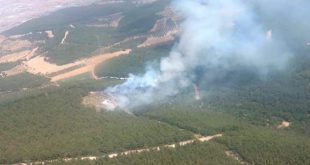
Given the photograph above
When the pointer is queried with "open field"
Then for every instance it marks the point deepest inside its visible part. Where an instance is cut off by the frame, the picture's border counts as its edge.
(39, 66)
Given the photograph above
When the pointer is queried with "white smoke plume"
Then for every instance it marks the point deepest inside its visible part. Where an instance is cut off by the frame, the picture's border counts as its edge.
(217, 36)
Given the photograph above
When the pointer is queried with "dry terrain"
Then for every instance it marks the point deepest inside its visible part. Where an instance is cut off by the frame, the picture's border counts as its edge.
(90, 64)
(17, 49)
(155, 40)
(8, 45)
(164, 30)
(49, 34)
(14, 57)
(284, 124)
(38, 64)
(14, 13)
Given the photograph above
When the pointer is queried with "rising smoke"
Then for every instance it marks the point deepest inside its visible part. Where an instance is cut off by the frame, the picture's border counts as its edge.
(217, 36)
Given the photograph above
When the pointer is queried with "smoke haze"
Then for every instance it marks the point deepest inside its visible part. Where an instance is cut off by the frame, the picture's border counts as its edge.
(217, 36)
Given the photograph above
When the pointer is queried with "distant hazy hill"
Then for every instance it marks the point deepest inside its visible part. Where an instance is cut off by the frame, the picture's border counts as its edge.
(13, 13)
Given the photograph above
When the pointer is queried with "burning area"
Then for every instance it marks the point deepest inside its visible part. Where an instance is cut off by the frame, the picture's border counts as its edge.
(100, 101)
(217, 37)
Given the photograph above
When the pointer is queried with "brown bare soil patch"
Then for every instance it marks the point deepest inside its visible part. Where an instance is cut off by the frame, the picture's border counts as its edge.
(284, 124)
(70, 74)
(14, 57)
(154, 40)
(50, 34)
(14, 71)
(39, 65)
(90, 64)
(208, 138)
(164, 30)
(15, 45)
(159, 24)
(123, 41)
(23, 55)
(115, 22)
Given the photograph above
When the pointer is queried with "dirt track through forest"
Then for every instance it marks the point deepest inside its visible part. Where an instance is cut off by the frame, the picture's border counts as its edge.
(65, 37)
(90, 64)
(198, 138)
(40, 66)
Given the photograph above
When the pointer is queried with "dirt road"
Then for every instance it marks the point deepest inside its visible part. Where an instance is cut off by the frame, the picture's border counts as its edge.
(90, 64)
(199, 138)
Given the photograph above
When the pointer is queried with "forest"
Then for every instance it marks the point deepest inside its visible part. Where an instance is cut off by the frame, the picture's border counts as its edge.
(40, 120)
(53, 123)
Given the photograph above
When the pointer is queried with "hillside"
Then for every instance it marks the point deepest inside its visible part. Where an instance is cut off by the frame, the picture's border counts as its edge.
(56, 70)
